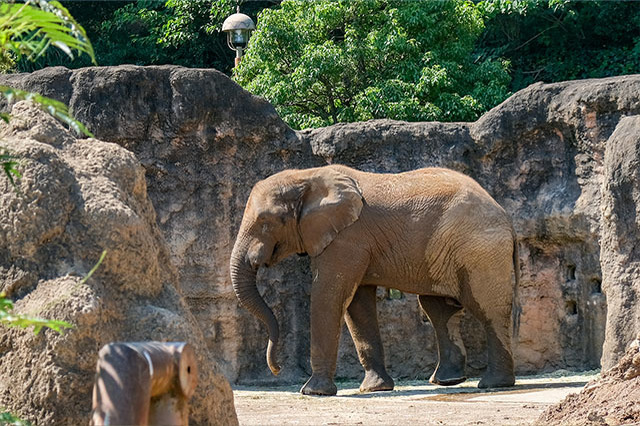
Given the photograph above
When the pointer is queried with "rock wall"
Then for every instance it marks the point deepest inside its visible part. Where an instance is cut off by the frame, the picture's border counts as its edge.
(77, 198)
(620, 254)
(204, 142)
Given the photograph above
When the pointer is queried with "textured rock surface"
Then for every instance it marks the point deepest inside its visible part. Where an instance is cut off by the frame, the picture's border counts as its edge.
(77, 198)
(613, 399)
(204, 142)
(620, 255)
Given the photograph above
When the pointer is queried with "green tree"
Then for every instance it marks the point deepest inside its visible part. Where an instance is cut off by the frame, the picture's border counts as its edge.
(148, 32)
(556, 40)
(324, 62)
(180, 32)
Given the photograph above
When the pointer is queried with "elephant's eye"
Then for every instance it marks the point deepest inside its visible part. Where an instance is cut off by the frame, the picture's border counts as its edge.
(271, 217)
(263, 216)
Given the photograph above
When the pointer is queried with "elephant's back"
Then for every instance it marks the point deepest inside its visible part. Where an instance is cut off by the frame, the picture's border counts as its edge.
(431, 218)
(417, 188)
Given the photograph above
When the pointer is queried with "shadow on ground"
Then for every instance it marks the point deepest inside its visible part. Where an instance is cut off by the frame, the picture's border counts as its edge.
(559, 379)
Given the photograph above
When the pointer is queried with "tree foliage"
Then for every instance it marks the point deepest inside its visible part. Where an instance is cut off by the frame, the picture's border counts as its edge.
(324, 62)
(413, 60)
(151, 32)
(557, 40)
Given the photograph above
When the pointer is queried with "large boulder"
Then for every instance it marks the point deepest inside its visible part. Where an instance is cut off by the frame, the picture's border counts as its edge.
(204, 142)
(76, 198)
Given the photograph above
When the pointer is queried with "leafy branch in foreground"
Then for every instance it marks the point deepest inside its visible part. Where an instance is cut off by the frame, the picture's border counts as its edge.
(29, 30)
(10, 419)
(9, 166)
(56, 108)
(15, 320)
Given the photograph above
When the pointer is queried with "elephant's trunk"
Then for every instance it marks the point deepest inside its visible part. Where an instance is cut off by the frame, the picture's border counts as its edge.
(243, 279)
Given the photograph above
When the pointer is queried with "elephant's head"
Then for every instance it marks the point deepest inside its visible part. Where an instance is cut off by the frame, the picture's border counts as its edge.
(294, 211)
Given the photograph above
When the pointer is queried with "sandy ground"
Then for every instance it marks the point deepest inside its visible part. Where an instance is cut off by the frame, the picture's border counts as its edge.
(410, 403)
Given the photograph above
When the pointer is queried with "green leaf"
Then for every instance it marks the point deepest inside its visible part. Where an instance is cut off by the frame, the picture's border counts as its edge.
(28, 29)
(95, 267)
(53, 107)
(23, 321)
(9, 419)
(9, 167)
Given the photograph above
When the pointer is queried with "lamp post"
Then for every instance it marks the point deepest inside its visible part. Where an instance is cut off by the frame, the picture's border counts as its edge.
(238, 28)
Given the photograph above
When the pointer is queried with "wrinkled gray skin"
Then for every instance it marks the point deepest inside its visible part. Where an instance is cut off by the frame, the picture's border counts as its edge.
(432, 232)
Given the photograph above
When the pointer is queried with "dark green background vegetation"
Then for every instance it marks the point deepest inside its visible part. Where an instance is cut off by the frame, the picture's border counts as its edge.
(320, 62)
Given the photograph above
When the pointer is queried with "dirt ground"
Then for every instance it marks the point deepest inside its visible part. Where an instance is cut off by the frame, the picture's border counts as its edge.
(410, 403)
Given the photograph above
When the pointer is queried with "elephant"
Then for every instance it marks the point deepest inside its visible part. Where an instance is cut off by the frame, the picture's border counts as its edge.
(433, 232)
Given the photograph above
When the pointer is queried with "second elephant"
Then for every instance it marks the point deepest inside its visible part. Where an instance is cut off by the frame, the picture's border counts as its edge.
(432, 232)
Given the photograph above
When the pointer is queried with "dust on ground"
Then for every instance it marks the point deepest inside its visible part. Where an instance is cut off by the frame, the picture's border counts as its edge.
(410, 403)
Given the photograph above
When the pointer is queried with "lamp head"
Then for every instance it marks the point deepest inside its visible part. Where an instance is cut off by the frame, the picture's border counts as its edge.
(238, 28)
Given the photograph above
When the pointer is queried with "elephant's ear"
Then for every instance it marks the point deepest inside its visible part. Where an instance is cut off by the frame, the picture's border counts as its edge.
(332, 202)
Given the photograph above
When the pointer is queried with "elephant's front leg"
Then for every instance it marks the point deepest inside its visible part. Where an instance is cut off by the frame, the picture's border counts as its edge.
(362, 320)
(334, 283)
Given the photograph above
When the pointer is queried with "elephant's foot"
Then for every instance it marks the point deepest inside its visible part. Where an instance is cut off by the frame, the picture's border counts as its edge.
(319, 386)
(447, 381)
(497, 380)
(447, 376)
(374, 382)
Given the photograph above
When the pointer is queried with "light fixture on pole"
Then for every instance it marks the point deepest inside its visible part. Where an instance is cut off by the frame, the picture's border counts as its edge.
(238, 28)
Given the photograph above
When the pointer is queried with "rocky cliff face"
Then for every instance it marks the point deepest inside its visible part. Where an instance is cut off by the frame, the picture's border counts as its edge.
(620, 253)
(543, 154)
(77, 198)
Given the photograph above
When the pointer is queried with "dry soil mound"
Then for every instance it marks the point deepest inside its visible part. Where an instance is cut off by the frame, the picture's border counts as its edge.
(614, 399)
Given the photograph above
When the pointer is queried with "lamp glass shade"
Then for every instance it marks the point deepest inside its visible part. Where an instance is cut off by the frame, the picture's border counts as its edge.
(238, 38)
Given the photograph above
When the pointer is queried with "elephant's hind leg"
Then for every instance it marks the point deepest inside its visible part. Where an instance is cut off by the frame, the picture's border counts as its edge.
(497, 322)
(445, 315)
(500, 366)
(362, 320)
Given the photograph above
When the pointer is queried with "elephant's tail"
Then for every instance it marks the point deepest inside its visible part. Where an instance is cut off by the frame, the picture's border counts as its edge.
(516, 309)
